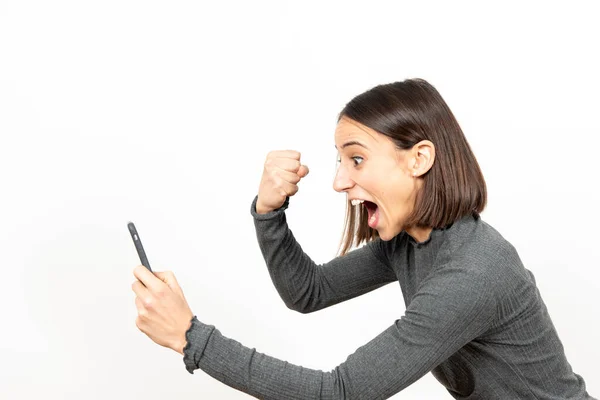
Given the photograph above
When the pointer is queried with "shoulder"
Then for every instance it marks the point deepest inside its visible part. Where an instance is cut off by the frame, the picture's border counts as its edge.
(474, 239)
(485, 241)
(482, 251)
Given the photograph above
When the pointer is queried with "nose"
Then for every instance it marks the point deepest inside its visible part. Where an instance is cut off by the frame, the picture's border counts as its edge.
(342, 181)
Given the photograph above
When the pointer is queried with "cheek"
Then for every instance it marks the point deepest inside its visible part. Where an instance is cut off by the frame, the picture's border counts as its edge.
(399, 189)
(399, 197)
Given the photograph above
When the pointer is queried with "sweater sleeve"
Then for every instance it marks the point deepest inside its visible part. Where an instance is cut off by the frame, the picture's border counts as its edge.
(305, 286)
(450, 309)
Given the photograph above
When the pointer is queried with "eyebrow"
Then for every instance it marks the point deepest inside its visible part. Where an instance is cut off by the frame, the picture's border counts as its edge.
(352, 143)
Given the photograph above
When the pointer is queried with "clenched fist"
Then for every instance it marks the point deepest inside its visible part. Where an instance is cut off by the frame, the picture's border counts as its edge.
(280, 178)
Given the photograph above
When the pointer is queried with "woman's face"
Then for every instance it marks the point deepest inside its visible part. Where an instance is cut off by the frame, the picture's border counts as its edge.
(371, 168)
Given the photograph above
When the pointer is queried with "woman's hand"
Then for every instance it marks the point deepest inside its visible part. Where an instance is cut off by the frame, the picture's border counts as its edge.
(280, 176)
(163, 312)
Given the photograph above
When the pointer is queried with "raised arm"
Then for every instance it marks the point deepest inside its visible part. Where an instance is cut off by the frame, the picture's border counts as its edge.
(450, 309)
(306, 286)
(303, 285)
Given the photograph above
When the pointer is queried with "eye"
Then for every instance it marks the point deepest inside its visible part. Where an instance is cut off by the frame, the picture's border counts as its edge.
(357, 160)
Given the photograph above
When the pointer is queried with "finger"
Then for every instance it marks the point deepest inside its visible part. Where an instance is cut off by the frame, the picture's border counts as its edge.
(147, 299)
(285, 154)
(138, 324)
(141, 309)
(288, 189)
(148, 279)
(168, 277)
(139, 289)
(286, 176)
(287, 164)
(302, 171)
(165, 276)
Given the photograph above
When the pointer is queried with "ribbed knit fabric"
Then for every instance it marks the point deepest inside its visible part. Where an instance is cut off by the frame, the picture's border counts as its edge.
(474, 318)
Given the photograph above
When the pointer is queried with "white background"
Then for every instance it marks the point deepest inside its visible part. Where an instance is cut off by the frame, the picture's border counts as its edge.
(163, 113)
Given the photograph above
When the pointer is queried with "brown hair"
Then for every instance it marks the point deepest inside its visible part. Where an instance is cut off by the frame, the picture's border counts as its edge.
(408, 112)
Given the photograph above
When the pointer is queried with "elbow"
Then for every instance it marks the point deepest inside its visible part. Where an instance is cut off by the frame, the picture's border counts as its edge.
(305, 310)
(301, 307)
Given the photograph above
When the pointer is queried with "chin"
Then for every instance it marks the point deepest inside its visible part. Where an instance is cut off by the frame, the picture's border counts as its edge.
(388, 234)
(385, 236)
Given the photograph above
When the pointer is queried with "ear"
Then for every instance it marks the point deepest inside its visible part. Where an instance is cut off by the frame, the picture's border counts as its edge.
(423, 156)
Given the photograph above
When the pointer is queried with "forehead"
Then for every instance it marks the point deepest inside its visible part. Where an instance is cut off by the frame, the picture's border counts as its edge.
(348, 129)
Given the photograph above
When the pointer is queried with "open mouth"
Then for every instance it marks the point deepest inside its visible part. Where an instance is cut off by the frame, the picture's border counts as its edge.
(372, 210)
(370, 206)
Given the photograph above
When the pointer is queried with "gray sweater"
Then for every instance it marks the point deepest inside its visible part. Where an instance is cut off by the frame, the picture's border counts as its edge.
(474, 318)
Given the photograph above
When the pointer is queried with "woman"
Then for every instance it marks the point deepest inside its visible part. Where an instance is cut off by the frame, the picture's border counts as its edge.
(474, 316)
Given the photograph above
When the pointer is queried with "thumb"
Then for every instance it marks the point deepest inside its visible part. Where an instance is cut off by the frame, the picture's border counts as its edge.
(168, 277)
(303, 171)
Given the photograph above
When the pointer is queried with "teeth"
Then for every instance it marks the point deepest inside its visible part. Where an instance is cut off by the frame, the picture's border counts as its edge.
(356, 202)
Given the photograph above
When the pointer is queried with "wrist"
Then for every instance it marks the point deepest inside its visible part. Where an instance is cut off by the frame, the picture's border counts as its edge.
(181, 341)
(180, 346)
(260, 209)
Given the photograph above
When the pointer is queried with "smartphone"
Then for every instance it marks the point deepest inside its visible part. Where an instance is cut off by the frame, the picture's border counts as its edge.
(138, 245)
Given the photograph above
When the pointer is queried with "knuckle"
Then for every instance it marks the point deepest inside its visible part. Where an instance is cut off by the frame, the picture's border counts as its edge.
(276, 180)
(143, 314)
(148, 302)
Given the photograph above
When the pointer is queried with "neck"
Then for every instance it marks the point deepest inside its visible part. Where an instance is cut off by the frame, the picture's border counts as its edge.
(420, 234)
